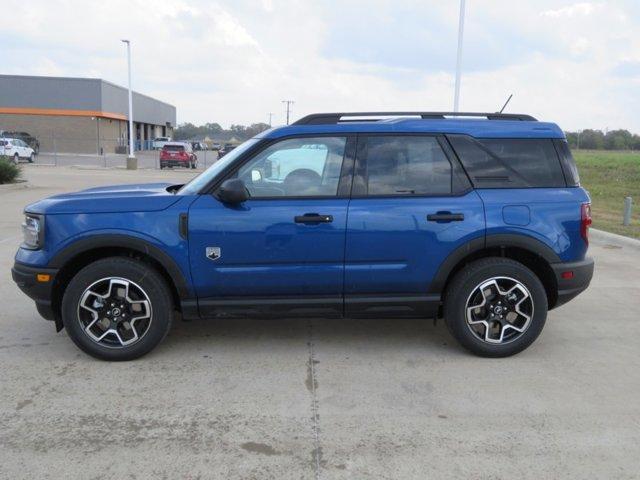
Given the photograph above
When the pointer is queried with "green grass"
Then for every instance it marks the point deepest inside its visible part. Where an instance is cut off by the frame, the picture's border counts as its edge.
(609, 176)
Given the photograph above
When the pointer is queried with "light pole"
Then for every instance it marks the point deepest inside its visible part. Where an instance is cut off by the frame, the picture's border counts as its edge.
(131, 148)
(270, 117)
(456, 94)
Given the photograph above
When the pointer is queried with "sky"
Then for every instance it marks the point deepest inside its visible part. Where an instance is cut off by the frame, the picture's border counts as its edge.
(576, 63)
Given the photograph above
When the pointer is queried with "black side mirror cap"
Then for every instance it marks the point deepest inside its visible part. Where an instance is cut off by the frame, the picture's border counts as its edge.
(233, 191)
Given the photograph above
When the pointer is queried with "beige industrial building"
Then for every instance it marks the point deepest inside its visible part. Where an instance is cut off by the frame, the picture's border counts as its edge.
(80, 115)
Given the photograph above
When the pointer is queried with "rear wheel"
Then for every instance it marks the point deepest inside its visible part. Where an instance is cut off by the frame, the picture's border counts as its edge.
(495, 307)
(117, 309)
(32, 157)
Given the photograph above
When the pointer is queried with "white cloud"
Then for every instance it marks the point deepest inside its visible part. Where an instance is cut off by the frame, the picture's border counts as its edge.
(234, 61)
(582, 8)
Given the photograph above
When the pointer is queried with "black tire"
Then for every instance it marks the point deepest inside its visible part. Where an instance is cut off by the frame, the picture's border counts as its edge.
(142, 275)
(16, 159)
(32, 158)
(463, 286)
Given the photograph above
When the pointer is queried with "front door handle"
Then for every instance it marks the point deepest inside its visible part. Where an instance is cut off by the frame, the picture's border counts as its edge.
(313, 218)
(445, 217)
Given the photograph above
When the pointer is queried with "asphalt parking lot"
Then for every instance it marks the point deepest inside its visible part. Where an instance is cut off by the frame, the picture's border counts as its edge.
(321, 399)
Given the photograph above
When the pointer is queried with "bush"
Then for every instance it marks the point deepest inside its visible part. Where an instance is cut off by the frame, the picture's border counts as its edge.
(9, 171)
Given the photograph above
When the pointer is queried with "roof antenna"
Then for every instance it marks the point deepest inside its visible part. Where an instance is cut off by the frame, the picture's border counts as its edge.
(505, 103)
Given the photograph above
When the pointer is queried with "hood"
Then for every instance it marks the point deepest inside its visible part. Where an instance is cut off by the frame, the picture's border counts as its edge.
(144, 197)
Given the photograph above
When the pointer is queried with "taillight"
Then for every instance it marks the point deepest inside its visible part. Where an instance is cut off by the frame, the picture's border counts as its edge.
(585, 221)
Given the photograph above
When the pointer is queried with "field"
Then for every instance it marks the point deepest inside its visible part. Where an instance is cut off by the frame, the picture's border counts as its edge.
(609, 176)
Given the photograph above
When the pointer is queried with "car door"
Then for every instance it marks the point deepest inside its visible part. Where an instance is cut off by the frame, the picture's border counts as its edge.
(411, 206)
(281, 251)
(22, 149)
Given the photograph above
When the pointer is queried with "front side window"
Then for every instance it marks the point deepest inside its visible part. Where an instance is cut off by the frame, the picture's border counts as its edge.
(296, 167)
(402, 165)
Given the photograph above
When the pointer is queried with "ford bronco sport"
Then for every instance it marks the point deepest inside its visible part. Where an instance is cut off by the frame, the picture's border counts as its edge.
(478, 218)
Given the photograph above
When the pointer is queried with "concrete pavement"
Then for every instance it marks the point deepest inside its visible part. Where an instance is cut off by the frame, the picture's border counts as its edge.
(321, 399)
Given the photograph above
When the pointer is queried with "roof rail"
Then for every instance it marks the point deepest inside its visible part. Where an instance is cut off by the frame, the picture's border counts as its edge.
(331, 118)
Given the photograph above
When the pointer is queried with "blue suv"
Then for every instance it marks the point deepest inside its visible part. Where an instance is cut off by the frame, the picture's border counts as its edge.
(475, 217)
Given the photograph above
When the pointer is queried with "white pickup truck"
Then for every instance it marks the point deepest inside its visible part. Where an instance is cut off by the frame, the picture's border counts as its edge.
(160, 142)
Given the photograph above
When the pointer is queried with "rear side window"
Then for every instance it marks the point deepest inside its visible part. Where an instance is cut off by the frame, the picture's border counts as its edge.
(402, 165)
(568, 163)
(173, 148)
(509, 162)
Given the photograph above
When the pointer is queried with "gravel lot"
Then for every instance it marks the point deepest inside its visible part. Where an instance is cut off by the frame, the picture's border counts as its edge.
(321, 399)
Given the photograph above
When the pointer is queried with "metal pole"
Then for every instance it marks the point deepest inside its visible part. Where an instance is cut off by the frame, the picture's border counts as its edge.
(270, 116)
(626, 216)
(456, 94)
(288, 103)
(131, 148)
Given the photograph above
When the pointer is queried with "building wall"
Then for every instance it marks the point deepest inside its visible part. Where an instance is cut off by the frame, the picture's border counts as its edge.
(72, 134)
(82, 94)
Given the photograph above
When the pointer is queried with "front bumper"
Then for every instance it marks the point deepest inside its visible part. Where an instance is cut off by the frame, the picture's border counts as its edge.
(569, 288)
(26, 277)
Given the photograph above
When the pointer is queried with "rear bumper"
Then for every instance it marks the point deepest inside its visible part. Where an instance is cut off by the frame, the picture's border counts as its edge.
(175, 163)
(569, 288)
(26, 278)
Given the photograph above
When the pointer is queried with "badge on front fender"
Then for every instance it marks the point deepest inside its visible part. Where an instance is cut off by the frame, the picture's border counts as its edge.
(213, 253)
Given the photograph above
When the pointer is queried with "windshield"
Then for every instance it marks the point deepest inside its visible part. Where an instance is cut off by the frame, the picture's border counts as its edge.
(199, 182)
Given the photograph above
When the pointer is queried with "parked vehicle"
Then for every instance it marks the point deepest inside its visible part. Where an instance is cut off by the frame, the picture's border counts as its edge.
(216, 146)
(178, 154)
(226, 149)
(16, 150)
(160, 142)
(30, 140)
(480, 221)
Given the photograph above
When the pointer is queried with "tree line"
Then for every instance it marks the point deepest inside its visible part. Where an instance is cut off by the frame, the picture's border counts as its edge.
(188, 131)
(598, 140)
(585, 139)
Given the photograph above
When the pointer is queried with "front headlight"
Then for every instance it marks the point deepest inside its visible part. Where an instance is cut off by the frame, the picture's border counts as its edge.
(33, 231)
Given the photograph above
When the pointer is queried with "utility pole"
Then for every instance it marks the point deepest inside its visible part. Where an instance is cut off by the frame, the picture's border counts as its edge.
(456, 94)
(289, 103)
(131, 148)
(270, 116)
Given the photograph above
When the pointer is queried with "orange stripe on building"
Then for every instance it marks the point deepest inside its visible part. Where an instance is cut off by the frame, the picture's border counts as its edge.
(56, 112)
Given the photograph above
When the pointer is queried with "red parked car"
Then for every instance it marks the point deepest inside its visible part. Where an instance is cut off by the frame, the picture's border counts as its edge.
(177, 154)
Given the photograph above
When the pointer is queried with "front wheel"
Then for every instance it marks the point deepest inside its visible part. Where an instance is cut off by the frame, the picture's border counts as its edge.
(117, 309)
(16, 159)
(32, 157)
(495, 307)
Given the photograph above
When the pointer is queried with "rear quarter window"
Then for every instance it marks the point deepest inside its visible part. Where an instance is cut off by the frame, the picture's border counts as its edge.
(509, 162)
(568, 163)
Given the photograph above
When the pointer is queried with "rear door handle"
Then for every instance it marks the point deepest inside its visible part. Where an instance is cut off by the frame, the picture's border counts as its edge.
(313, 218)
(445, 217)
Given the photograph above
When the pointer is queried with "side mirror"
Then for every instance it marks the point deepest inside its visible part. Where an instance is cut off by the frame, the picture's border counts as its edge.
(233, 191)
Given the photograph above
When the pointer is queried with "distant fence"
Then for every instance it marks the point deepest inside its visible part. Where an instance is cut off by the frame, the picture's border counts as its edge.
(108, 153)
